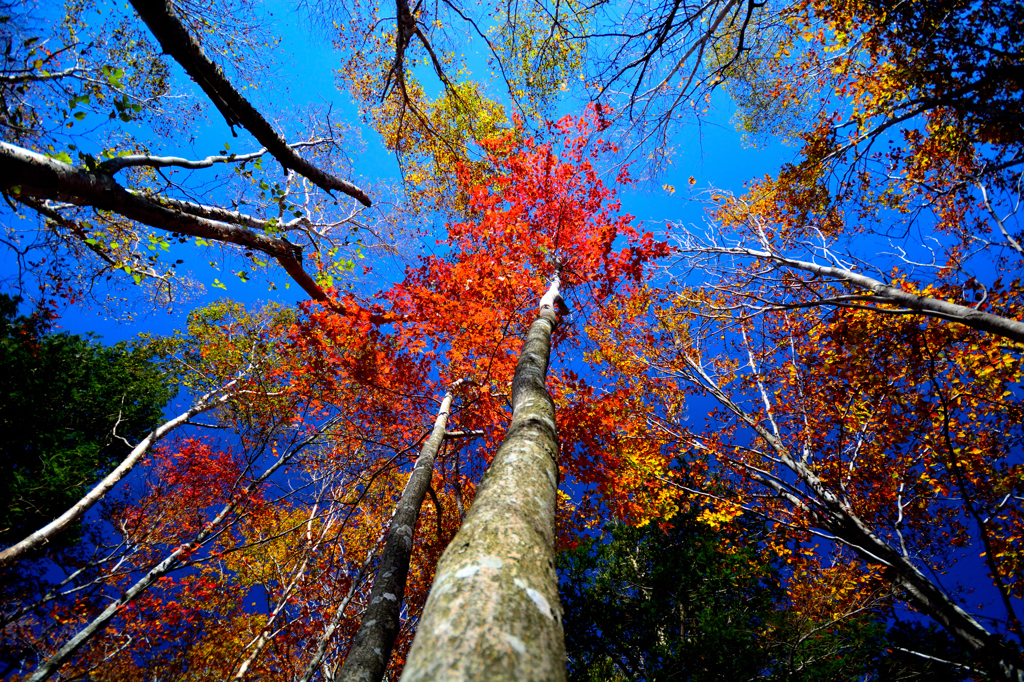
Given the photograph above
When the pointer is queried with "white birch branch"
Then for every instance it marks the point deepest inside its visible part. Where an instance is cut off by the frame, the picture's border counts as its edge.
(76, 512)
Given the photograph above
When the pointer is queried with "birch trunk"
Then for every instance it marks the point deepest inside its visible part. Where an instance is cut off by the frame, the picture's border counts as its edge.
(171, 562)
(493, 611)
(370, 652)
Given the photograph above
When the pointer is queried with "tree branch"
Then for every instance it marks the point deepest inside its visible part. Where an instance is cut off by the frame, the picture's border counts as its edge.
(163, 21)
(119, 162)
(44, 534)
(24, 172)
(923, 305)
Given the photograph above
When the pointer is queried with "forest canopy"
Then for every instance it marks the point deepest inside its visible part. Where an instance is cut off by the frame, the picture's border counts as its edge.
(490, 423)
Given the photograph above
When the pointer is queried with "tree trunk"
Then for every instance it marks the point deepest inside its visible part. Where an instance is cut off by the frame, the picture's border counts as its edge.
(493, 611)
(368, 656)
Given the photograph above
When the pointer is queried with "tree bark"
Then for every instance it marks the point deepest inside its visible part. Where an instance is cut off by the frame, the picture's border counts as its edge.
(368, 657)
(493, 611)
(163, 21)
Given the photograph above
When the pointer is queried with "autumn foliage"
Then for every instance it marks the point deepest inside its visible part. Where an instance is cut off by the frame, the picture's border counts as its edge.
(835, 361)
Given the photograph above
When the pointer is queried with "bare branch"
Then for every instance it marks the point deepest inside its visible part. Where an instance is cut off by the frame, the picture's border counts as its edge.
(881, 292)
(135, 160)
(25, 172)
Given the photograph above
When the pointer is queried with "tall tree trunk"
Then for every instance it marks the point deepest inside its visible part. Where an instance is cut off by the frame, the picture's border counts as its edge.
(368, 656)
(493, 611)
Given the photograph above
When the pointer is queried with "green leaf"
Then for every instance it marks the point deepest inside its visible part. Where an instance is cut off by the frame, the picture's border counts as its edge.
(67, 394)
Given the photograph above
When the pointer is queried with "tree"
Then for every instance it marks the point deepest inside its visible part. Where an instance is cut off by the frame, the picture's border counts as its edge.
(902, 138)
(204, 495)
(69, 408)
(690, 603)
(858, 419)
(534, 48)
(869, 396)
(206, 510)
(864, 428)
(370, 652)
(90, 217)
(546, 210)
(693, 600)
(499, 571)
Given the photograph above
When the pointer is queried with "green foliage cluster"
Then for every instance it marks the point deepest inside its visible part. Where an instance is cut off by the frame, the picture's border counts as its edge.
(69, 406)
(650, 605)
(689, 602)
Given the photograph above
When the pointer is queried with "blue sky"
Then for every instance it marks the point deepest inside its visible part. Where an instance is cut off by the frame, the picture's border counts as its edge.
(304, 74)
